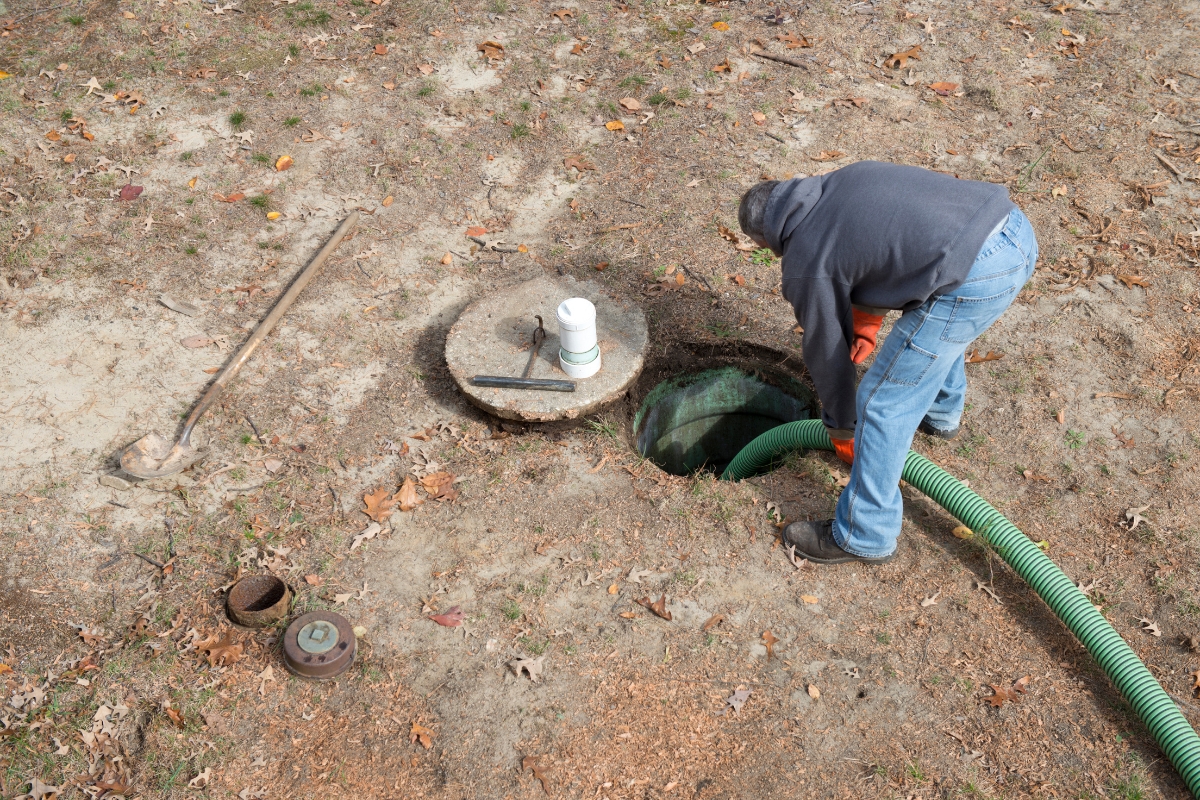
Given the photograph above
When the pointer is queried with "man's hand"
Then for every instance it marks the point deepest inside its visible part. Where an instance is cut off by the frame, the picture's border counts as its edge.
(844, 449)
(866, 328)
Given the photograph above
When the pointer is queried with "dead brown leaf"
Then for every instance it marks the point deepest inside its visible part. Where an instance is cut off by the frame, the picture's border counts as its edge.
(847, 102)
(974, 357)
(1131, 281)
(221, 649)
(712, 622)
(381, 50)
(379, 504)
(827, 155)
(769, 639)
(530, 763)
(492, 51)
(419, 733)
(630, 104)
(562, 14)
(657, 607)
(944, 88)
(451, 619)
(578, 163)
(792, 41)
(900, 60)
(175, 716)
(407, 496)
(437, 483)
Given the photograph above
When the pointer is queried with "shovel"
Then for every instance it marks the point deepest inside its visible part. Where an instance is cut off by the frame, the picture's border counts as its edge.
(153, 456)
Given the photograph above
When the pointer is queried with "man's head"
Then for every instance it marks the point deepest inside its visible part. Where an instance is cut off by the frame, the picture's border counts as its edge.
(753, 209)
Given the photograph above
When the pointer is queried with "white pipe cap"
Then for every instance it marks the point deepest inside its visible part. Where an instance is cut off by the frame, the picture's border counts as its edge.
(576, 314)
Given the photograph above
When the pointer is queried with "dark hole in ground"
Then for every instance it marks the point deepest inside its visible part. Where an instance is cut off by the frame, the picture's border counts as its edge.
(701, 421)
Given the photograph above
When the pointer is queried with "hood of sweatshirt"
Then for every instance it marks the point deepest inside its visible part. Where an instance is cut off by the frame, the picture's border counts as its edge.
(790, 202)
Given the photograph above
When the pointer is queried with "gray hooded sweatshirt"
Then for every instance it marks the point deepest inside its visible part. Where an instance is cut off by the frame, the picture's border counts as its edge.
(879, 236)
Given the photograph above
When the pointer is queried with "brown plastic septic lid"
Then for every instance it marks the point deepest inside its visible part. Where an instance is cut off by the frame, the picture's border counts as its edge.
(319, 645)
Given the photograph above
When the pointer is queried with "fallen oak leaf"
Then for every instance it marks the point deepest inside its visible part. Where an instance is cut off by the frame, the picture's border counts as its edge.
(379, 504)
(368, 533)
(419, 733)
(974, 357)
(943, 88)
(1001, 696)
(451, 619)
(407, 496)
(769, 639)
(578, 163)
(530, 763)
(1131, 281)
(792, 41)
(615, 125)
(437, 483)
(630, 104)
(129, 192)
(712, 622)
(657, 607)
(531, 666)
(1150, 626)
(223, 650)
(736, 701)
(562, 14)
(828, 155)
(900, 60)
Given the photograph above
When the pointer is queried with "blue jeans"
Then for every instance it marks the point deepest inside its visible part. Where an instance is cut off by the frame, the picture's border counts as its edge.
(918, 374)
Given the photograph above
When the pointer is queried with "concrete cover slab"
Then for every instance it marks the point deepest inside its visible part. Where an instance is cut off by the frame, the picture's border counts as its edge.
(494, 334)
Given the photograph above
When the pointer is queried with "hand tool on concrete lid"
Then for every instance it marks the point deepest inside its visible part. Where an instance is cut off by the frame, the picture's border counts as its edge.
(154, 456)
(539, 336)
(525, 382)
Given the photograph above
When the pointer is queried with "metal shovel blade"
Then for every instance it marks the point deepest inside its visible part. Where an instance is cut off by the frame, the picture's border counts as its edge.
(152, 456)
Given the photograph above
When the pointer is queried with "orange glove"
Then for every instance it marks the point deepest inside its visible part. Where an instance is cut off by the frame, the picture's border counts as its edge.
(866, 327)
(844, 449)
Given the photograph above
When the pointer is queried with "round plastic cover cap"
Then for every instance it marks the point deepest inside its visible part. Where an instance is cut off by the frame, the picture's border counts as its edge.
(576, 313)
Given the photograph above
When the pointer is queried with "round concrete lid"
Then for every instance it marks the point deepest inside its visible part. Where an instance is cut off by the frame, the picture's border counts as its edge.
(494, 334)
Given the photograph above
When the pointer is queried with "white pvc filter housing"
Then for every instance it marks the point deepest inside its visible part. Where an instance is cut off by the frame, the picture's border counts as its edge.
(579, 370)
(576, 325)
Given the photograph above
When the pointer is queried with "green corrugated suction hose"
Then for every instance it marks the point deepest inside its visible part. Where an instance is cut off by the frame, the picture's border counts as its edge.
(1152, 704)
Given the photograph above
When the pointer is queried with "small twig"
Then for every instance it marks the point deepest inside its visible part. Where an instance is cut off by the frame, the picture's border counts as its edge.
(393, 291)
(1174, 169)
(612, 228)
(358, 264)
(254, 428)
(149, 560)
(118, 505)
(776, 138)
(700, 278)
(782, 60)
(40, 11)
(623, 200)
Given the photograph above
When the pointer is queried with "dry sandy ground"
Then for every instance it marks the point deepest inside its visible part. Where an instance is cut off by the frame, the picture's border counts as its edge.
(1088, 113)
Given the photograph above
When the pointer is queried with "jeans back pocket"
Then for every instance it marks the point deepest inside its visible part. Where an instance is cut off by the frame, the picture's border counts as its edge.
(972, 316)
(910, 366)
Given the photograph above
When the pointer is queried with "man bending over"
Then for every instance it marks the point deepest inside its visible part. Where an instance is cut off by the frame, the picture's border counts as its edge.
(869, 238)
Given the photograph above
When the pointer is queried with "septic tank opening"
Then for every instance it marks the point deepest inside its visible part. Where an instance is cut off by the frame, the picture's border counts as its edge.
(701, 421)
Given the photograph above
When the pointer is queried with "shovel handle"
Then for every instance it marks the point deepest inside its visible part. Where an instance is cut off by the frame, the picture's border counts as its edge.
(281, 306)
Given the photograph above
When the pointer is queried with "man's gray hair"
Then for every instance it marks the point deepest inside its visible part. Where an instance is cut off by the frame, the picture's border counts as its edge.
(753, 208)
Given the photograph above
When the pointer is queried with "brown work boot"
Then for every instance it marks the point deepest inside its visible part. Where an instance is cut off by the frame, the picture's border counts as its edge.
(814, 540)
